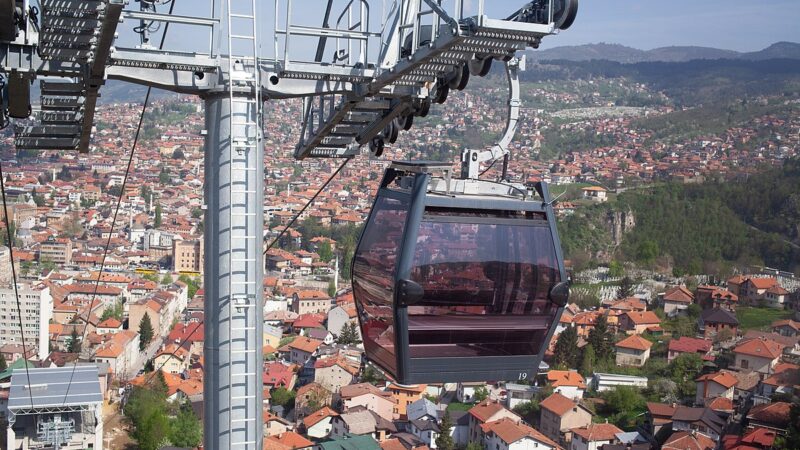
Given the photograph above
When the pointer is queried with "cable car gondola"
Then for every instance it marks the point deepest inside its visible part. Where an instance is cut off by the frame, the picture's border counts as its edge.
(457, 279)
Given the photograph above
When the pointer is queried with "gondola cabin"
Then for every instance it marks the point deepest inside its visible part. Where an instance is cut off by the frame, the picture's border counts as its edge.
(457, 280)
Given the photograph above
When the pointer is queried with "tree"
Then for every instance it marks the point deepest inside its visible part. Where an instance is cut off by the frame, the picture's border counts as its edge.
(601, 339)
(566, 352)
(472, 445)
(324, 251)
(177, 154)
(164, 177)
(684, 369)
(167, 279)
(349, 335)
(192, 283)
(626, 288)
(331, 289)
(145, 332)
(371, 375)
(283, 397)
(114, 311)
(587, 362)
(615, 269)
(74, 343)
(444, 441)
(186, 428)
(481, 393)
(3, 365)
(157, 220)
(694, 310)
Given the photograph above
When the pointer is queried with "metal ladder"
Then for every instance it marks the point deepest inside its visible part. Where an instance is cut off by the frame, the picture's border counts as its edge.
(244, 376)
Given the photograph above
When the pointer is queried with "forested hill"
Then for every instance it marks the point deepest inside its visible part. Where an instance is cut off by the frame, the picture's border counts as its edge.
(698, 228)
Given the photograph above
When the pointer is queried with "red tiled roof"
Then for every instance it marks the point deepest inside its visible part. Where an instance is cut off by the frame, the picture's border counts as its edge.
(558, 404)
(763, 348)
(566, 378)
(683, 440)
(509, 432)
(484, 410)
(686, 344)
(724, 379)
(634, 342)
(643, 318)
(598, 432)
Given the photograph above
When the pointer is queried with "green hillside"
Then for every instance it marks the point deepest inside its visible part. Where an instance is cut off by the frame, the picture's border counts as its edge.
(700, 228)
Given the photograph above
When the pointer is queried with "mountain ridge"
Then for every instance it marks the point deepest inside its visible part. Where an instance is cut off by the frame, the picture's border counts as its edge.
(624, 54)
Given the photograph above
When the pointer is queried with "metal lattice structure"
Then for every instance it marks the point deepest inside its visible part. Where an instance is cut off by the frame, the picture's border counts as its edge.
(365, 78)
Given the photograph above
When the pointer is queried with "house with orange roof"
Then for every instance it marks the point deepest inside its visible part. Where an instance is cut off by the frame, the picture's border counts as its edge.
(507, 434)
(311, 302)
(636, 322)
(120, 351)
(773, 416)
(594, 436)
(318, 423)
(758, 355)
(755, 439)
(275, 425)
(716, 297)
(753, 289)
(340, 316)
(287, 441)
(711, 385)
(173, 358)
(301, 350)
(685, 440)
(484, 412)
(278, 374)
(685, 344)
(559, 415)
(634, 350)
(786, 327)
(368, 396)
(676, 300)
(595, 194)
(569, 383)
(311, 397)
(110, 325)
(785, 379)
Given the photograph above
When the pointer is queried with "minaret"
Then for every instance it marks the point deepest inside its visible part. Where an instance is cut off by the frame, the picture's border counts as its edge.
(336, 274)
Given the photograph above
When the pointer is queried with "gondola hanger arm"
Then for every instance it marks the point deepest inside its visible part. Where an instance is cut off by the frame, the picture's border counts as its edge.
(472, 159)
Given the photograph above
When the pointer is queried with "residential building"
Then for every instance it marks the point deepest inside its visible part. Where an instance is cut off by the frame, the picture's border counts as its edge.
(275, 425)
(595, 194)
(334, 372)
(712, 322)
(758, 355)
(685, 344)
(120, 351)
(604, 381)
(341, 315)
(698, 420)
(187, 256)
(56, 250)
(519, 393)
(567, 382)
(593, 436)
(301, 350)
(676, 300)
(404, 396)
(361, 422)
(368, 396)
(310, 398)
(465, 392)
(773, 416)
(658, 415)
(683, 440)
(484, 412)
(786, 327)
(559, 415)
(36, 305)
(288, 440)
(311, 302)
(636, 322)
(711, 385)
(318, 424)
(507, 434)
(633, 351)
(173, 358)
(709, 297)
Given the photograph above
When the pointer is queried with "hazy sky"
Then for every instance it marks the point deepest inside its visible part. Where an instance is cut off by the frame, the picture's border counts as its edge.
(729, 24)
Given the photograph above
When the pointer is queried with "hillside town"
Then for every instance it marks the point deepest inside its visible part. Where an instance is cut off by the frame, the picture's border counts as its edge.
(113, 297)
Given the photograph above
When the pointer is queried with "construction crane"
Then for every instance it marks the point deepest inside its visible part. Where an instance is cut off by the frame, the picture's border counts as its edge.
(362, 82)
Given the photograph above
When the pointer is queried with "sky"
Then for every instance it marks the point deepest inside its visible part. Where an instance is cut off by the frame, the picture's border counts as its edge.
(742, 25)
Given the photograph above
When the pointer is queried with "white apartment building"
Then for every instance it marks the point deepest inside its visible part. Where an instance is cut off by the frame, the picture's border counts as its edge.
(37, 310)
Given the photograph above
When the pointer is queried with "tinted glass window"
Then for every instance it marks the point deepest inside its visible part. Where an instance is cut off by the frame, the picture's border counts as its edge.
(373, 279)
(486, 281)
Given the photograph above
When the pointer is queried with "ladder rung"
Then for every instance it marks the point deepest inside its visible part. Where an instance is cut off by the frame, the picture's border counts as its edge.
(243, 374)
(243, 397)
(242, 36)
(246, 145)
(248, 169)
(244, 123)
(239, 100)
(243, 351)
(243, 192)
(243, 260)
(242, 16)
(243, 443)
(242, 420)
(243, 329)
(243, 282)
(243, 214)
(243, 237)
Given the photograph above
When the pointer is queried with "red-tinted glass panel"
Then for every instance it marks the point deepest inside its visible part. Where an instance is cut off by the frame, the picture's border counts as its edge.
(486, 281)
(373, 279)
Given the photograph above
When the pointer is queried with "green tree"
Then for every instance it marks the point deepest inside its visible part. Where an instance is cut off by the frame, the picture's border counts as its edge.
(157, 220)
(187, 431)
(192, 283)
(626, 288)
(587, 362)
(167, 279)
(324, 251)
(331, 289)
(694, 310)
(164, 177)
(283, 397)
(684, 369)
(145, 332)
(74, 342)
(444, 441)
(39, 200)
(481, 394)
(601, 339)
(615, 269)
(116, 311)
(566, 352)
(472, 445)
(3, 364)
(371, 375)
(177, 154)
(349, 335)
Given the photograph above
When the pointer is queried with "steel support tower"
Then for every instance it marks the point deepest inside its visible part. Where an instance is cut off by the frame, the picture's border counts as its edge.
(367, 78)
